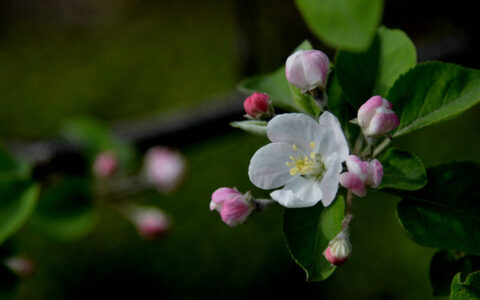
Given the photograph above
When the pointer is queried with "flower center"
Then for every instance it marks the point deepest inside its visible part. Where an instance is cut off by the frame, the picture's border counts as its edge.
(307, 165)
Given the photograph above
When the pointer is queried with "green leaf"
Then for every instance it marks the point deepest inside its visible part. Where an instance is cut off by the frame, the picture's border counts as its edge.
(252, 126)
(283, 94)
(468, 289)
(18, 198)
(445, 265)
(402, 170)
(344, 24)
(65, 211)
(308, 232)
(445, 213)
(433, 92)
(94, 137)
(12, 167)
(363, 75)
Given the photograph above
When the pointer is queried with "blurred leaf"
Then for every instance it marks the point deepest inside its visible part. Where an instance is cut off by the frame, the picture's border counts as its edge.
(445, 213)
(466, 290)
(283, 94)
(344, 24)
(363, 75)
(433, 92)
(94, 137)
(252, 126)
(445, 265)
(17, 201)
(11, 167)
(402, 170)
(308, 232)
(65, 211)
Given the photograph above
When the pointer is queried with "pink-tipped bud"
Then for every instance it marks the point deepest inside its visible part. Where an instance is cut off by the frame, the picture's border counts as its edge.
(105, 165)
(338, 250)
(233, 206)
(165, 168)
(307, 69)
(258, 106)
(360, 174)
(150, 222)
(376, 117)
(23, 266)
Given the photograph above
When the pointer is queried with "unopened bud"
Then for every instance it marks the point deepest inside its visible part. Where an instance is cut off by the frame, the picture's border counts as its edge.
(258, 106)
(233, 206)
(20, 265)
(150, 222)
(338, 250)
(376, 117)
(307, 69)
(165, 168)
(360, 174)
(105, 164)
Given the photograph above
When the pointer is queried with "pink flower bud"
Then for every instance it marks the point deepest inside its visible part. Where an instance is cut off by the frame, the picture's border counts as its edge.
(360, 174)
(307, 69)
(233, 206)
(24, 267)
(376, 117)
(150, 222)
(165, 168)
(257, 106)
(338, 250)
(105, 164)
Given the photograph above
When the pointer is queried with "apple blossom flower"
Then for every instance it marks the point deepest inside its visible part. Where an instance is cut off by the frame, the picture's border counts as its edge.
(165, 168)
(23, 266)
(361, 174)
(258, 106)
(307, 69)
(105, 164)
(376, 117)
(150, 222)
(339, 249)
(305, 157)
(233, 206)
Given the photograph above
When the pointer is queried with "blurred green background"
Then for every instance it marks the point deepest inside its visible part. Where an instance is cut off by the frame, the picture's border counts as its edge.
(130, 59)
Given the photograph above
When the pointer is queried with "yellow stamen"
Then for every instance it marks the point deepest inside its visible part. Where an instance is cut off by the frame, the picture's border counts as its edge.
(295, 148)
(312, 145)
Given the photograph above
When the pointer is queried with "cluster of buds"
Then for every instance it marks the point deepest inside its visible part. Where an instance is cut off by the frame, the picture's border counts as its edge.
(339, 249)
(258, 106)
(150, 222)
(307, 69)
(105, 164)
(376, 117)
(233, 206)
(164, 168)
(361, 174)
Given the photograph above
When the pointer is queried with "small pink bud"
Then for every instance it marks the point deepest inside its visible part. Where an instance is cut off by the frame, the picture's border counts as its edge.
(105, 164)
(307, 69)
(360, 174)
(376, 117)
(338, 250)
(20, 265)
(257, 106)
(165, 168)
(233, 206)
(150, 222)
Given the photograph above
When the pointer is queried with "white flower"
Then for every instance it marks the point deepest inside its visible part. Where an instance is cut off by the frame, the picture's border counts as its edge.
(305, 157)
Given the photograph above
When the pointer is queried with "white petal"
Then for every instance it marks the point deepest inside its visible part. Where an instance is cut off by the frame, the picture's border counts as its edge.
(268, 169)
(331, 179)
(298, 192)
(333, 140)
(295, 129)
